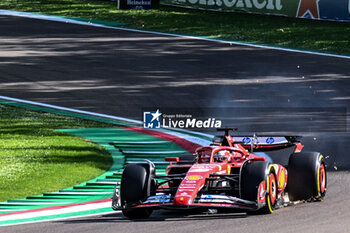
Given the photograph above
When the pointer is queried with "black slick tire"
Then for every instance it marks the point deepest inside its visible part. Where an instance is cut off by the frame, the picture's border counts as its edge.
(307, 178)
(252, 175)
(134, 190)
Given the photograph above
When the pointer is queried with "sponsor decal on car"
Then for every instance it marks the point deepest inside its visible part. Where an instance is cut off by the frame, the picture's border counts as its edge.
(158, 199)
(270, 140)
(246, 140)
(194, 177)
(191, 182)
(184, 194)
(282, 179)
(200, 170)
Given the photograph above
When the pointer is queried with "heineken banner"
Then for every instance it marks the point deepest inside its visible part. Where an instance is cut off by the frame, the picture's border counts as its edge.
(313, 9)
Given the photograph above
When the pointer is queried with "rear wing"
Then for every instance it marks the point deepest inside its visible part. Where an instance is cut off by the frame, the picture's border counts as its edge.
(266, 143)
(267, 140)
(259, 143)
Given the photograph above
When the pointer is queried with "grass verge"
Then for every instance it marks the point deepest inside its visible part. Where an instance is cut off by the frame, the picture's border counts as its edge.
(331, 37)
(35, 158)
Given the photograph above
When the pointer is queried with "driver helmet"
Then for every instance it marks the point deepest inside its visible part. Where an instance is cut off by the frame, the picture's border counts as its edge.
(223, 155)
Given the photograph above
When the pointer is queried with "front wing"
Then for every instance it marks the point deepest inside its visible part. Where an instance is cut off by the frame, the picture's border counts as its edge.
(205, 201)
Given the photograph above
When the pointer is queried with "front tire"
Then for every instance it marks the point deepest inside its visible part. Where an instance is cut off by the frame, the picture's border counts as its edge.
(134, 189)
(252, 175)
(307, 177)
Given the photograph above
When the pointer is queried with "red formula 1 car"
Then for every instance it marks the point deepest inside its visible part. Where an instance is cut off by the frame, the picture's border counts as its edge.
(224, 175)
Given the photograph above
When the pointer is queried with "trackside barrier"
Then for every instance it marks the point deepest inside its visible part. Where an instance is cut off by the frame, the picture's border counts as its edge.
(338, 10)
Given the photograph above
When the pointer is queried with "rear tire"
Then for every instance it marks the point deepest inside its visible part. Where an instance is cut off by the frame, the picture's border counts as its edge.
(134, 189)
(307, 177)
(252, 175)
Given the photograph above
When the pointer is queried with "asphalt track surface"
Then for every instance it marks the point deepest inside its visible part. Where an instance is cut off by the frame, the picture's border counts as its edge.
(120, 72)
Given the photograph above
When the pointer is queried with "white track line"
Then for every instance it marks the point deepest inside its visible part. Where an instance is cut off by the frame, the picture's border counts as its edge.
(70, 109)
(153, 152)
(65, 20)
(61, 219)
(81, 193)
(139, 142)
(32, 203)
(66, 210)
(102, 182)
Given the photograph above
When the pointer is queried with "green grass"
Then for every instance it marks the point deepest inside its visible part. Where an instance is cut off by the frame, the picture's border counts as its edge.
(333, 37)
(35, 158)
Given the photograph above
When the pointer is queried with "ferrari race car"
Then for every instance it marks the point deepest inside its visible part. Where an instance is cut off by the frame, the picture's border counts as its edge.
(225, 175)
